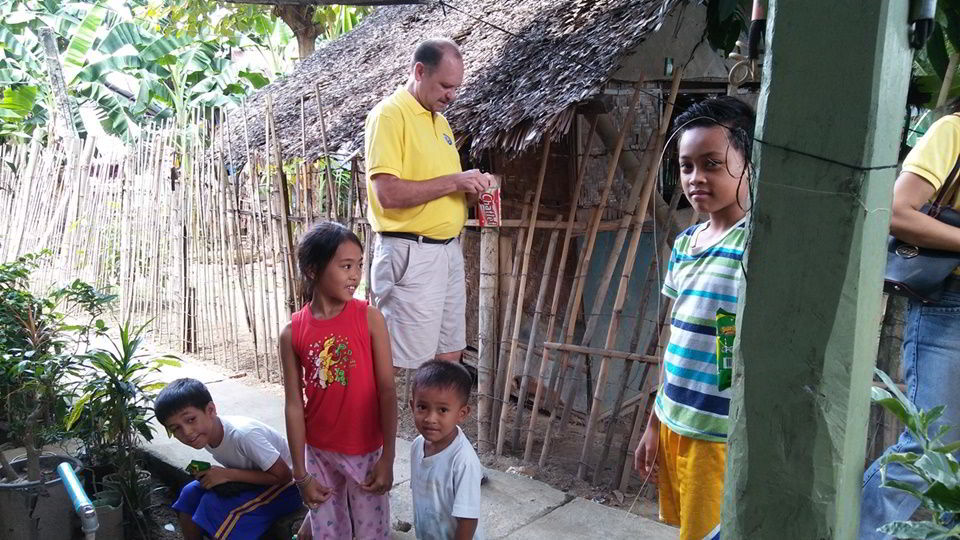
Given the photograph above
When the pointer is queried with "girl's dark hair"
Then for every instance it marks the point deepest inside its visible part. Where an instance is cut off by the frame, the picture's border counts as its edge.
(317, 246)
(736, 116)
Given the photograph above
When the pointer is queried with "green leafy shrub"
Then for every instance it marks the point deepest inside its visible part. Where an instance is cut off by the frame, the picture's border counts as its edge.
(40, 355)
(937, 468)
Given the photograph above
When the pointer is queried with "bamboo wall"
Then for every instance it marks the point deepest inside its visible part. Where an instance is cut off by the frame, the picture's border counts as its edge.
(204, 255)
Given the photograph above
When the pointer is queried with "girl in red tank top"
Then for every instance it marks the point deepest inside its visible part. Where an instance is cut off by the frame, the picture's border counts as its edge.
(341, 408)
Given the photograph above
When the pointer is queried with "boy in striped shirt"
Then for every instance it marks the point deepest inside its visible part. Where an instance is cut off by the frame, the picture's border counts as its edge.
(685, 439)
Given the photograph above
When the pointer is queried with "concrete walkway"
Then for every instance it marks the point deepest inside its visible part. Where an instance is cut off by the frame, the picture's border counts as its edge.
(514, 506)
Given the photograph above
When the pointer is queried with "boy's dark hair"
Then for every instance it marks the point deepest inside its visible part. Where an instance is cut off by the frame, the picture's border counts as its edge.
(736, 116)
(179, 395)
(317, 246)
(430, 52)
(441, 374)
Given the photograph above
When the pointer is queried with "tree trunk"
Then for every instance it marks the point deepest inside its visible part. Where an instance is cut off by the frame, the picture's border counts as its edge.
(300, 21)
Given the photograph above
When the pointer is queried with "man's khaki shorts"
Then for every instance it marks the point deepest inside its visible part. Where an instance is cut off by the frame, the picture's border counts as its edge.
(420, 290)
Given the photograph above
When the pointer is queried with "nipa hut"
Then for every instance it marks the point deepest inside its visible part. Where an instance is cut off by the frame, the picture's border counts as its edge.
(568, 101)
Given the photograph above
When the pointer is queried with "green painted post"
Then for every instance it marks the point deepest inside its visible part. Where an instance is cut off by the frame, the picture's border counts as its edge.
(835, 83)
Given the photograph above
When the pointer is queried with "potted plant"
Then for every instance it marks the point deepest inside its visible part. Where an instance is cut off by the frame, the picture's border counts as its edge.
(936, 466)
(113, 411)
(40, 353)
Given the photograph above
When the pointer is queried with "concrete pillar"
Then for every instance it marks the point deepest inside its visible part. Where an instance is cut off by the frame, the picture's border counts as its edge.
(835, 83)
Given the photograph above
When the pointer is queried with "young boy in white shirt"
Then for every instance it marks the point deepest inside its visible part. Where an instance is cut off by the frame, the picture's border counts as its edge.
(252, 489)
(445, 472)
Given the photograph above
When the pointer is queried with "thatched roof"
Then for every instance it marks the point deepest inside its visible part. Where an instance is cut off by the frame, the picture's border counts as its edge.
(517, 88)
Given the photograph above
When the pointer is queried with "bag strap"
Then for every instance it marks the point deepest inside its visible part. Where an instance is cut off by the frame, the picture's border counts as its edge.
(949, 190)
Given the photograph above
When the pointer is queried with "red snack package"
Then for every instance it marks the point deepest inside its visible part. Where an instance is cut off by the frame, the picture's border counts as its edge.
(488, 208)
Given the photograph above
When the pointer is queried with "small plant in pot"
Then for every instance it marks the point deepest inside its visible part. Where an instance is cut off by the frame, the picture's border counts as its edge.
(40, 357)
(937, 469)
(113, 412)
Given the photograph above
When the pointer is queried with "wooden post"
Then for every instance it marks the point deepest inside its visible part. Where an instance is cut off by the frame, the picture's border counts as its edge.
(558, 285)
(487, 335)
(521, 289)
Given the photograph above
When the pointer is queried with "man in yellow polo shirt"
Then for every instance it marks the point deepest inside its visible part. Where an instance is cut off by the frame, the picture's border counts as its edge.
(418, 200)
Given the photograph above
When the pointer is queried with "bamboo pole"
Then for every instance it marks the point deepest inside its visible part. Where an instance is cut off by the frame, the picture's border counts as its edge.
(584, 266)
(595, 351)
(226, 269)
(652, 280)
(659, 337)
(655, 346)
(31, 170)
(534, 325)
(499, 384)
(273, 250)
(305, 167)
(331, 188)
(612, 332)
(628, 264)
(487, 334)
(290, 263)
(558, 285)
(352, 193)
(521, 289)
(637, 202)
(232, 199)
(257, 245)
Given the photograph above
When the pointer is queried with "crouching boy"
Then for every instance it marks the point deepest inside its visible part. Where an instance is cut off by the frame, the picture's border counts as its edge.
(445, 472)
(254, 486)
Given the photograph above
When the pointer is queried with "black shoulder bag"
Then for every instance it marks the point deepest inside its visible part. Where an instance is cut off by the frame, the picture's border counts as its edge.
(918, 272)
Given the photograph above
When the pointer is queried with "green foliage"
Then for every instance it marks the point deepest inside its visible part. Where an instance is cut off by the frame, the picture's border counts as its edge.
(39, 353)
(149, 60)
(114, 408)
(116, 394)
(252, 20)
(115, 63)
(936, 467)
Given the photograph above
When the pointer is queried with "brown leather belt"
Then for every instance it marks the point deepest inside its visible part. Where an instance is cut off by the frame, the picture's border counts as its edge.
(417, 238)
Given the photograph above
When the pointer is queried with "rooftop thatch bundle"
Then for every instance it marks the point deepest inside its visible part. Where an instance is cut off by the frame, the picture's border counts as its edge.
(520, 84)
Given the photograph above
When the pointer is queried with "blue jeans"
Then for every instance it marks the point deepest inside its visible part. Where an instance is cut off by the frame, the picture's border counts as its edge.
(931, 366)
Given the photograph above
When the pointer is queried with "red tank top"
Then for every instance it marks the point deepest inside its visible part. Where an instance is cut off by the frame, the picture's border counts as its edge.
(342, 411)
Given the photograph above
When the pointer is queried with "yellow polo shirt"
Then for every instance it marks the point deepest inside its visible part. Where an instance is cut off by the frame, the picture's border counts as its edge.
(936, 153)
(404, 139)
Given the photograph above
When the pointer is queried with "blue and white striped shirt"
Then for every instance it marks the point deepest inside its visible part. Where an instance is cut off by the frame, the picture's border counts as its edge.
(701, 280)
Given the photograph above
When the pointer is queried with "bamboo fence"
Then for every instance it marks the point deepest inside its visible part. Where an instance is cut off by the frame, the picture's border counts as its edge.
(203, 253)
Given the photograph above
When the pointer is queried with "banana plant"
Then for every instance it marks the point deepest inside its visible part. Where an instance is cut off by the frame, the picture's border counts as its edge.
(115, 64)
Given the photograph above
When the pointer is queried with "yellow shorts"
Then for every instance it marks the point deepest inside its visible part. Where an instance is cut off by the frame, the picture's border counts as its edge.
(691, 484)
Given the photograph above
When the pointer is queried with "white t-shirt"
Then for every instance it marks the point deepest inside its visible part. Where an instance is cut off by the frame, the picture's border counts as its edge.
(446, 486)
(249, 444)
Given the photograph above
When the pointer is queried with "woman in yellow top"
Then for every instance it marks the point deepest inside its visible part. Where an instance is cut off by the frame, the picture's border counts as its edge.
(931, 339)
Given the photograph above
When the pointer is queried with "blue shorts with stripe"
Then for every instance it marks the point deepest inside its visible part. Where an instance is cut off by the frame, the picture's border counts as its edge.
(247, 514)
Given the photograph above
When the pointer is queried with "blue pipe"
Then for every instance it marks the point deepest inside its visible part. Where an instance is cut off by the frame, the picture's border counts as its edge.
(81, 503)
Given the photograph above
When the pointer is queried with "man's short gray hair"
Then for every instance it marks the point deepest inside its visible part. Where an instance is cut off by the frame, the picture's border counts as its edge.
(431, 52)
